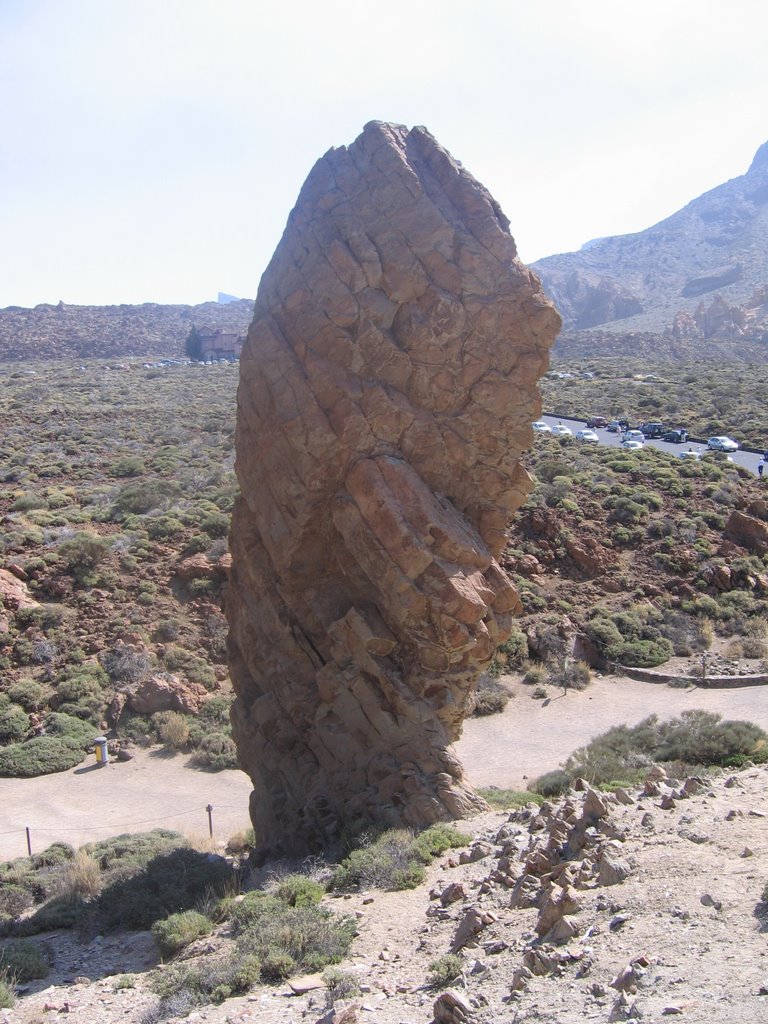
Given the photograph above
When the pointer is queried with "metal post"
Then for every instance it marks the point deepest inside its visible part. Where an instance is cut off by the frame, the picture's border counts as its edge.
(209, 808)
(29, 842)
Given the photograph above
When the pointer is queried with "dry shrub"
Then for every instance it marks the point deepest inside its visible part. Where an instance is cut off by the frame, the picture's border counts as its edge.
(753, 648)
(172, 728)
(81, 877)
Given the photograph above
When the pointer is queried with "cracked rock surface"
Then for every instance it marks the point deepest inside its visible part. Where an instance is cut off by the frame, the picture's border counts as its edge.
(387, 391)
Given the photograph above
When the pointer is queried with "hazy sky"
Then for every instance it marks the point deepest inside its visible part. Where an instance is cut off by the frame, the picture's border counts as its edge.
(151, 150)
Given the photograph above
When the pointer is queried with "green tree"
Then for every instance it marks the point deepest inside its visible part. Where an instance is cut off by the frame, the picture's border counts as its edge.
(194, 344)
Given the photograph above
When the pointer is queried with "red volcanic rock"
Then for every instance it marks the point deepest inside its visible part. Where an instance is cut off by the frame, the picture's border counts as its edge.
(166, 692)
(747, 530)
(387, 391)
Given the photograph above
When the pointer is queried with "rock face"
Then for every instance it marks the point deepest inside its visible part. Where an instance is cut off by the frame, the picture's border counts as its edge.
(387, 389)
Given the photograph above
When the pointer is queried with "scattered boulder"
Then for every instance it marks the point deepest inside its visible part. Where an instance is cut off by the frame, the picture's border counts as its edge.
(451, 1007)
(166, 692)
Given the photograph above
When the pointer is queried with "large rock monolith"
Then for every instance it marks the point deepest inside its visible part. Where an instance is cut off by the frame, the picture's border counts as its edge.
(387, 390)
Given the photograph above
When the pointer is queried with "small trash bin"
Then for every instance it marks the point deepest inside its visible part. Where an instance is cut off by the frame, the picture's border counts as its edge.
(102, 753)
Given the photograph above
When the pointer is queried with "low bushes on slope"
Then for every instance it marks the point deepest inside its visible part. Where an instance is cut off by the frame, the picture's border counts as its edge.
(695, 739)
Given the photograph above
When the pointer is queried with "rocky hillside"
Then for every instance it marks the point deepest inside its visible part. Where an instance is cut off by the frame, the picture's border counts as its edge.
(699, 275)
(150, 329)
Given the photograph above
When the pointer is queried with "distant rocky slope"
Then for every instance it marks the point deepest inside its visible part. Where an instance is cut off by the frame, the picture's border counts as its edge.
(150, 329)
(700, 275)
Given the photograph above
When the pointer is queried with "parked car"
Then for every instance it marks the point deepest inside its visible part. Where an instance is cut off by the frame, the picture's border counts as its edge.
(652, 429)
(689, 454)
(633, 446)
(597, 421)
(723, 444)
(617, 426)
(560, 430)
(679, 436)
(587, 435)
(633, 435)
(541, 427)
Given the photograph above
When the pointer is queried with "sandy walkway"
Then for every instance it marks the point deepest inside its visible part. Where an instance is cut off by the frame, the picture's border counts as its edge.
(534, 736)
(530, 737)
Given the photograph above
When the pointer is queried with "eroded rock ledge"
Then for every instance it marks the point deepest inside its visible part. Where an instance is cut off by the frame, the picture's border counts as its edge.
(386, 394)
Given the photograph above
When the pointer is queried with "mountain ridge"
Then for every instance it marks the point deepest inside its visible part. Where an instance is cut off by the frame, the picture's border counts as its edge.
(49, 331)
(665, 279)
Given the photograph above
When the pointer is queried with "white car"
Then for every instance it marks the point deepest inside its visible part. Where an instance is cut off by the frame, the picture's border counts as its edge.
(560, 430)
(587, 435)
(690, 454)
(633, 446)
(541, 427)
(723, 444)
(633, 435)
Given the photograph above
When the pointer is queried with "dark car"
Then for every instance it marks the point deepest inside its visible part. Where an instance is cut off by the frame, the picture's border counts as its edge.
(618, 426)
(597, 421)
(679, 436)
(652, 429)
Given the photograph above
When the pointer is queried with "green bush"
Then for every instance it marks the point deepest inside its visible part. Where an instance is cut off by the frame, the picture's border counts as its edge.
(82, 553)
(7, 994)
(640, 653)
(177, 931)
(215, 751)
(135, 849)
(23, 961)
(396, 859)
(42, 755)
(14, 722)
(444, 970)
(311, 936)
(438, 838)
(31, 695)
(14, 900)
(129, 465)
(299, 891)
(553, 783)
(696, 738)
(508, 799)
(168, 884)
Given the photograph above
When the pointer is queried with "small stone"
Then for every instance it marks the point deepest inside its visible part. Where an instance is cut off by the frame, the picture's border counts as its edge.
(623, 796)
(520, 978)
(478, 851)
(618, 921)
(452, 893)
(670, 1010)
(306, 983)
(647, 820)
(709, 901)
(746, 852)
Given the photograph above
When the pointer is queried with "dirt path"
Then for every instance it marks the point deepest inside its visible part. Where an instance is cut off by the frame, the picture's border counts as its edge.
(529, 738)
(91, 802)
(534, 736)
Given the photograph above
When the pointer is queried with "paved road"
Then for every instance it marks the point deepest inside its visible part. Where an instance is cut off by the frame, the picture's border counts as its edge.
(748, 459)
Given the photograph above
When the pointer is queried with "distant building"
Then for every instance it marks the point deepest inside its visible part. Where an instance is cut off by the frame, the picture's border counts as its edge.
(218, 344)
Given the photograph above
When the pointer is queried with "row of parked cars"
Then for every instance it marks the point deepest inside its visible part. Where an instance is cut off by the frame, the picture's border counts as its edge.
(634, 438)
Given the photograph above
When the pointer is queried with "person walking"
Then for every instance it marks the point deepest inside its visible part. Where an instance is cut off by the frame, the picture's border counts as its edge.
(761, 467)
